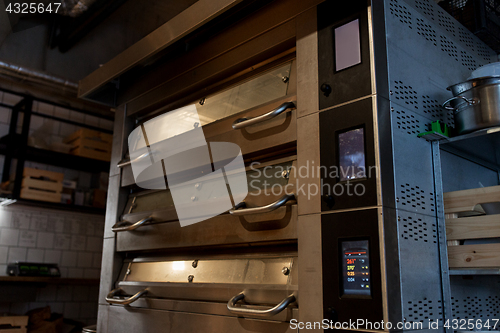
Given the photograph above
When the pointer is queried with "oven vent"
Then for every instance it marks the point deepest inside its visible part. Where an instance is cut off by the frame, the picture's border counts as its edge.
(405, 93)
(446, 22)
(407, 123)
(418, 230)
(423, 310)
(466, 38)
(475, 307)
(449, 47)
(468, 61)
(426, 8)
(401, 12)
(426, 31)
(414, 197)
(483, 52)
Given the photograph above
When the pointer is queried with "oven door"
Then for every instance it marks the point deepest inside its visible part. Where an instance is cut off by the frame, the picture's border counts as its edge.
(267, 215)
(245, 293)
(258, 115)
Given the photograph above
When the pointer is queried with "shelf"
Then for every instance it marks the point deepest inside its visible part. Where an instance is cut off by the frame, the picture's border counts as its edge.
(61, 206)
(466, 146)
(46, 280)
(475, 271)
(57, 159)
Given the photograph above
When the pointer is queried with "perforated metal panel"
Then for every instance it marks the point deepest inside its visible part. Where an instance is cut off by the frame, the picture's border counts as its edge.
(476, 297)
(420, 274)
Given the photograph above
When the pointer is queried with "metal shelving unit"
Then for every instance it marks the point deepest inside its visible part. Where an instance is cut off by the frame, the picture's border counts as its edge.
(15, 147)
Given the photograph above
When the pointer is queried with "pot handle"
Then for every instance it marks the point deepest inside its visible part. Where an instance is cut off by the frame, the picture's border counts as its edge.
(231, 306)
(244, 122)
(468, 101)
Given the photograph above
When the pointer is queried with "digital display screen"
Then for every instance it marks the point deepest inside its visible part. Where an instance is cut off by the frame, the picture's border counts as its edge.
(356, 268)
(347, 45)
(352, 155)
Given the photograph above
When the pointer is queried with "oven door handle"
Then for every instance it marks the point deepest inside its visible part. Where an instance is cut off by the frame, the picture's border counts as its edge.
(125, 226)
(245, 122)
(239, 209)
(124, 163)
(231, 306)
(111, 300)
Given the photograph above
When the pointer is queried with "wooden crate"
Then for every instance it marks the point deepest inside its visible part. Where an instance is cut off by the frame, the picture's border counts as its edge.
(473, 226)
(91, 144)
(42, 185)
(14, 321)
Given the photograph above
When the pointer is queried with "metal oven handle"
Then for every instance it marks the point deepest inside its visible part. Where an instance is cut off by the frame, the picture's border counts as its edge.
(245, 122)
(239, 209)
(123, 163)
(111, 300)
(125, 226)
(231, 306)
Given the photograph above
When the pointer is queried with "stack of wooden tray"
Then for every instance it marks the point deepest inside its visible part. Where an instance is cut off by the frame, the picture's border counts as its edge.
(42, 185)
(91, 144)
(464, 221)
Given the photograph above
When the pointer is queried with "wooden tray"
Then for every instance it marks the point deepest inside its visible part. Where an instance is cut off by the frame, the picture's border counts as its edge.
(472, 227)
(14, 321)
(90, 144)
(42, 185)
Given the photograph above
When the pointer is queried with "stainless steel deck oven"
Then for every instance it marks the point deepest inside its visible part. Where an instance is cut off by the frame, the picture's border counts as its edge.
(343, 221)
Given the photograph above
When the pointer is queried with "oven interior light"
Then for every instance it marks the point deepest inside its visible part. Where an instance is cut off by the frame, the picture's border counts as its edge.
(178, 265)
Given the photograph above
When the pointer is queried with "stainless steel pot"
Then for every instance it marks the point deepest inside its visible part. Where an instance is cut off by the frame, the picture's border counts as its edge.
(476, 104)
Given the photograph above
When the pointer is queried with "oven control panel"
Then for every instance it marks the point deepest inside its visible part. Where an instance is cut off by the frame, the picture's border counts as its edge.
(355, 268)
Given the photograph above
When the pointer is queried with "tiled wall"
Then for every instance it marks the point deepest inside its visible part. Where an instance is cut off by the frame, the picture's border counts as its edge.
(72, 240)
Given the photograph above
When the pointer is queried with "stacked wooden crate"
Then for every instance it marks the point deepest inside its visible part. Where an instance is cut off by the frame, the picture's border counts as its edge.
(42, 185)
(91, 144)
(13, 324)
(464, 221)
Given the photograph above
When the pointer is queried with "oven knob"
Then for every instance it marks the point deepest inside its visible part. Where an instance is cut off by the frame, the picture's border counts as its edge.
(326, 89)
(329, 200)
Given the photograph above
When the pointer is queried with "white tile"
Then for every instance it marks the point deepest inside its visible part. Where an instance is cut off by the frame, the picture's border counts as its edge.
(69, 259)
(64, 272)
(91, 120)
(45, 240)
(5, 115)
(59, 223)
(75, 273)
(52, 257)
(61, 112)
(21, 220)
(3, 270)
(78, 243)
(77, 116)
(66, 129)
(4, 129)
(19, 309)
(77, 227)
(6, 218)
(57, 307)
(4, 250)
(96, 260)
(36, 122)
(64, 293)
(71, 310)
(45, 108)
(84, 260)
(81, 293)
(88, 310)
(36, 305)
(11, 99)
(38, 222)
(106, 124)
(92, 273)
(47, 294)
(9, 237)
(62, 242)
(27, 238)
(35, 255)
(94, 244)
(17, 254)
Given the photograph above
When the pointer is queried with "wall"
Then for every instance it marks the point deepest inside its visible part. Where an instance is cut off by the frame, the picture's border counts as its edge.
(72, 240)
